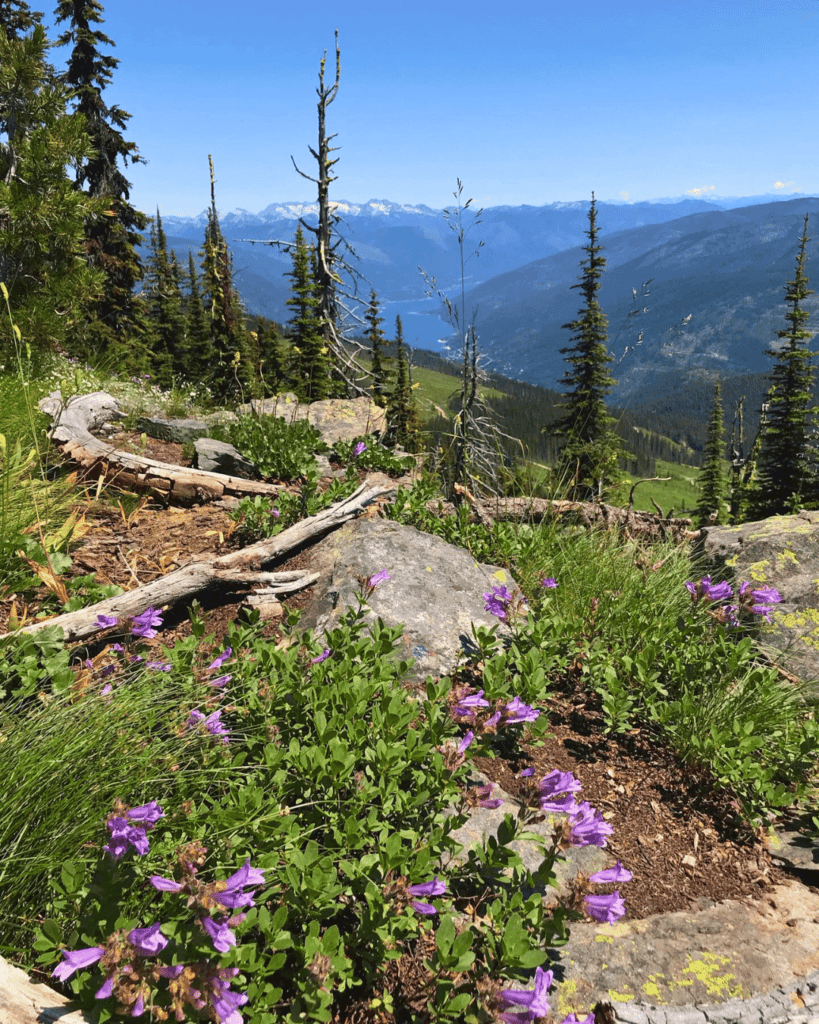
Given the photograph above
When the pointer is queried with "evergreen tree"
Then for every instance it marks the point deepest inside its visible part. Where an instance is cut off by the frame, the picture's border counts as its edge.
(111, 241)
(198, 347)
(711, 506)
(376, 339)
(310, 363)
(163, 298)
(589, 457)
(16, 18)
(42, 217)
(781, 467)
(227, 319)
(271, 359)
(401, 413)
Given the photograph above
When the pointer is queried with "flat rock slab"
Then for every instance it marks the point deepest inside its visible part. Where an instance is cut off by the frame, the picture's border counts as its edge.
(723, 955)
(781, 552)
(435, 591)
(22, 1001)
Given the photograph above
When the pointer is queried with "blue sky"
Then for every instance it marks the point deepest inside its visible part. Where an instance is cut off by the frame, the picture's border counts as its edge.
(525, 102)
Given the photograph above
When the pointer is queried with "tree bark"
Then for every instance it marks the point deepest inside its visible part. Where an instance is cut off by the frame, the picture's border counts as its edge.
(75, 419)
(235, 569)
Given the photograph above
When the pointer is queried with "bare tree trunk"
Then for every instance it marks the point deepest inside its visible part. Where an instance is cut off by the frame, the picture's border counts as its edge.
(236, 569)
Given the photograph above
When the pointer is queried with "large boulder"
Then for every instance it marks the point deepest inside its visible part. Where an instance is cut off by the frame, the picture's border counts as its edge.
(435, 590)
(221, 457)
(781, 552)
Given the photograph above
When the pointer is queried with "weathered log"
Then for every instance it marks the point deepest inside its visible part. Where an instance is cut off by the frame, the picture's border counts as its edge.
(646, 525)
(75, 419)
(236, 569)
(22, 1001)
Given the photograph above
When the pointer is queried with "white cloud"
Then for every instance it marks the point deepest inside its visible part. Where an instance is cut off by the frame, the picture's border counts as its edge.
(699, 191)
(783, 184)
(624, 196)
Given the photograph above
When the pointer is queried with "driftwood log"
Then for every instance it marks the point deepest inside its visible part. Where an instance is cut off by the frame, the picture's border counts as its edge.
(239, 568)
(75, 419)
(22, 1001)
(642, 525)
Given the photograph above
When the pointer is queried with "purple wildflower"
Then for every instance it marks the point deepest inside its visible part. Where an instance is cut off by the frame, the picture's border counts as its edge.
(467, 705)
(232, 895)
(164, 884)
(212, 723)
(535, 1001)
(517, 711)
(435, 887)
(223, 938)
(147, 941)
(616, 874)
(757, 600)
(379, 577)
(359, 448)
(716, 591)
(608, 908)
(556, 790)
(76, 960)
(550, 583)
(173, 971)
(469, 736)
(588, 827)
(143, 624)
(159, 666)
(325, 654)
(574, 1019)
(496, 601)
(220, 681)
(124, 835)
(146, 814)
(106, 621)
(485, 798)
(275, 513)
(220, 659)
(107, 987)
(226, 1003)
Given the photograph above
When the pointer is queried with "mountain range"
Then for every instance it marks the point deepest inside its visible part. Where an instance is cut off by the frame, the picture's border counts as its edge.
(722, 261)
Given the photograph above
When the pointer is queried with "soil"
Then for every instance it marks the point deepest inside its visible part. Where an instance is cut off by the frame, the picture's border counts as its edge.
(684, 842)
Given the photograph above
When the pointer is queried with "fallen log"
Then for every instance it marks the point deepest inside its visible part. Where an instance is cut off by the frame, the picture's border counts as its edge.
(643, 525)
(239, 568)
(75, 419)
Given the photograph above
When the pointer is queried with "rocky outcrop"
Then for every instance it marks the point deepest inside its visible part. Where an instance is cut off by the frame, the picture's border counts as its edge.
(221, 457)
(780, 552)
(435, 589)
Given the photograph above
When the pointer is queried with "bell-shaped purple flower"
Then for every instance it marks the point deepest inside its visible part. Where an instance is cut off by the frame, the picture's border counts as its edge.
(76, 960)
(589, 827)
(606, 908)
(147, 941)
(616, 874)
(222, 937)
(534, 1001)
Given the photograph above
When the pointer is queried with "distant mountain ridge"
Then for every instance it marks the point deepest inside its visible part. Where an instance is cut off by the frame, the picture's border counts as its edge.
(723, 260)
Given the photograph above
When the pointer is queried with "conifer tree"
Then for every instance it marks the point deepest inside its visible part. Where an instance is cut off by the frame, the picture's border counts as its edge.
(271, 360)
(198, 347)
(376, 339)
(589, 457)
(163, 299)
(17, 18)
(111, 240)
(782, 464)
(401, 413)
(42, 217)
(227, 318)
(310, 363)
(711, 506)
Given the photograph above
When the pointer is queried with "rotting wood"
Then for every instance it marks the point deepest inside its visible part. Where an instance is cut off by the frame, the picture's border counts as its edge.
(239, 568)
(639, 525)
(74, 421)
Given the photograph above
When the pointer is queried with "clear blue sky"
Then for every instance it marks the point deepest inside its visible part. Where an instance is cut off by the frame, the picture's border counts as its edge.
(526, 102)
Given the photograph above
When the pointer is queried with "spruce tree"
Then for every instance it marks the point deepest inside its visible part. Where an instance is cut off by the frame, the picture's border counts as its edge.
(271, 360)
(782, 464)
(17, 18)
(310, 363)
(227, 318)
(42, 217)
(711, 506)
(163, 299)
(588, 462)
(376, 339)
(111, 241)
(198, 347)
(401, 414)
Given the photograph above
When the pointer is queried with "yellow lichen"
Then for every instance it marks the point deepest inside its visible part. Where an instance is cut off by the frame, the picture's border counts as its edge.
(620, 997)
(603, 938)
(786, 556)
(709, 970)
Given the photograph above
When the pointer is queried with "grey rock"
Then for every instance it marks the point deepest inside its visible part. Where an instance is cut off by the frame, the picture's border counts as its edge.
(781, 552)
(485, 821)
(221, 457)
(435, 591)
(788, 844)
(181, 431)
